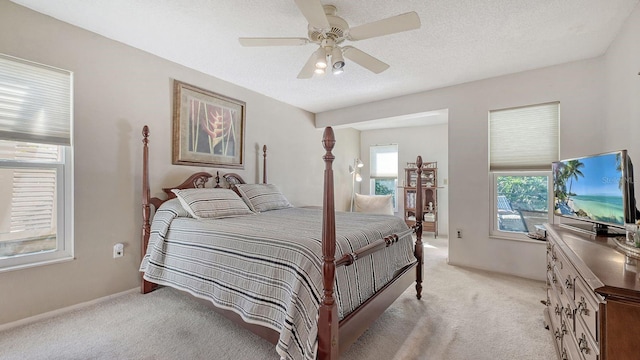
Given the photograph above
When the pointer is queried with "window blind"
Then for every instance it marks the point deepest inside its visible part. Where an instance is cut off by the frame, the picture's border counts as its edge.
(35, 102)
(31, 152)
(524, 138)
(33, 203)
(384, 161)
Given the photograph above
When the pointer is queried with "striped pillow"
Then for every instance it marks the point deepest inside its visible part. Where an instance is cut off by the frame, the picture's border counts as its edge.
(211, 203)
(263, 197)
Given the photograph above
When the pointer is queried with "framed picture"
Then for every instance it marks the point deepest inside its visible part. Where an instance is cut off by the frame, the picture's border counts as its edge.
(208, 128)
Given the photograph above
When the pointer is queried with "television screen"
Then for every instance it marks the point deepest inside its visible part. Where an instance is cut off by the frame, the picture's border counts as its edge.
(593, 188)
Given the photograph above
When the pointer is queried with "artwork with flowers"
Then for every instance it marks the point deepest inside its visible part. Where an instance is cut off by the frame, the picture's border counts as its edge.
(208, 128)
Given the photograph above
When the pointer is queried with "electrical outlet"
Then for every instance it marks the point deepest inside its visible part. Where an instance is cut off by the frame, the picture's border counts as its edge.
(118, 250)
(459, 232)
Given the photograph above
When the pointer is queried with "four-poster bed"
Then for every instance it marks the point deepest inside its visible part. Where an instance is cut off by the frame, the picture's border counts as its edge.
(334, 299)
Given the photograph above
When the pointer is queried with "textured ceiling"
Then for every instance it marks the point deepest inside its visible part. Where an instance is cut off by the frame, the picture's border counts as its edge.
(459, 40)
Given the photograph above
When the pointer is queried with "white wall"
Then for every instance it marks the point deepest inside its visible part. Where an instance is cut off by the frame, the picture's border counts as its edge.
(579, 87)
(430, 142)
(118, 89)
(622, 93)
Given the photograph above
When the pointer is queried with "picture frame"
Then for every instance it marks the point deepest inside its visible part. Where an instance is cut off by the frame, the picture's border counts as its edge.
(208, 128)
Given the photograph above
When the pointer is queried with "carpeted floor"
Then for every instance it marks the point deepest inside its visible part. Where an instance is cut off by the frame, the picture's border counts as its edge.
(464, 314)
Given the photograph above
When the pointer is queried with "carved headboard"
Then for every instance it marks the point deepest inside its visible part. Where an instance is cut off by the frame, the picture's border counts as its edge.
(233, 179)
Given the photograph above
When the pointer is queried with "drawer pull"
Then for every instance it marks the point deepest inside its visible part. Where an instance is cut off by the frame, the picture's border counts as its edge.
(558, 334)
(558, 311)
(582, 306)
(564, 354)
(553, 278)
(563, 327)
(568, 312)
(583, 344)
(568, 283)
(548, 267)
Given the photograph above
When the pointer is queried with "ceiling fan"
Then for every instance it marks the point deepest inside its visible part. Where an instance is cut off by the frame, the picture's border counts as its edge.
(329, 31)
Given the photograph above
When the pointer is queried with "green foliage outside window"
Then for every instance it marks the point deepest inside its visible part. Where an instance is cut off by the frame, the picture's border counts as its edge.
(385, 187)
(525, 192)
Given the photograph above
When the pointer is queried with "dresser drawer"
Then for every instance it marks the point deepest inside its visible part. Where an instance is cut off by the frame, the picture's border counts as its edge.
(555, 306)
(551, 253)
(586, 344)
(566, 275)
(570, 349)
(587, 310)
(568, 312)
(556, 326)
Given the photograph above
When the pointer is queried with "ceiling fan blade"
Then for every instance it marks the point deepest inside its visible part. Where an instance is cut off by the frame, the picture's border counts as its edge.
(314, 13)
(272, 41)
(308, 68)
(392, 25)
(363, 59)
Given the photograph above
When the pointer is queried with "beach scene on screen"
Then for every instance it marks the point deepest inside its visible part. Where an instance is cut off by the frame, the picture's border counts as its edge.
(590, 188)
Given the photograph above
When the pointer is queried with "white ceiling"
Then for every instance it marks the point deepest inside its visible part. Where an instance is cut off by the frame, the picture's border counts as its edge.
(459, 40)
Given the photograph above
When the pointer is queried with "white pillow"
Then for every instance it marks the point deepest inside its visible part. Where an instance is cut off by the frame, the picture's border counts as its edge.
(374, 204)
(211, 203)
(263, 197)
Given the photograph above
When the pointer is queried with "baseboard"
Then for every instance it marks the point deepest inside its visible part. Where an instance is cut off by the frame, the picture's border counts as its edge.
(50, 314)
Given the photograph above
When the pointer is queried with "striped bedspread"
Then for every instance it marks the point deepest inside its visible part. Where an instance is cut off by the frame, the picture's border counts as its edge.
(267, 267)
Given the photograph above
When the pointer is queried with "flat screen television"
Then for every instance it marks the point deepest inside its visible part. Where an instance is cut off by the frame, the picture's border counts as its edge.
(597, 190)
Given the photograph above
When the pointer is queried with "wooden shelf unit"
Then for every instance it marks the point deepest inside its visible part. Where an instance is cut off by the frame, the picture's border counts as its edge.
(429, 196)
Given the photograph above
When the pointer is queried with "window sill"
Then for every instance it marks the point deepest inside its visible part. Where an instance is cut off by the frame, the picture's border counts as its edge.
(522, 238)
(36, 264)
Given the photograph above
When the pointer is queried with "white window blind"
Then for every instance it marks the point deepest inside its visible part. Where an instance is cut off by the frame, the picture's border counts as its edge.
(22, 151)
(33, 203)
(524, 138)
(384, 161)
(35, 102)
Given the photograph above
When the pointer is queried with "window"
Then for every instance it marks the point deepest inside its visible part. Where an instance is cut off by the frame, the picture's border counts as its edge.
(35, 164)
(384, 171)
(523, 143)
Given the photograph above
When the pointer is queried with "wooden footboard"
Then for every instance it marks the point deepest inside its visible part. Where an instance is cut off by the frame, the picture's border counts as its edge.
(333, 336)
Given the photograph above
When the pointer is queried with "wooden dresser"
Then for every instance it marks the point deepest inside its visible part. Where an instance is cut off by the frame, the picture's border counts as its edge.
(593, 297)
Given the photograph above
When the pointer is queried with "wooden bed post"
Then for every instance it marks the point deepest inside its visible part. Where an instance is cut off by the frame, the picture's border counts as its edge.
(418, 227)
(146, 286)
(264, 164)
(328, 313)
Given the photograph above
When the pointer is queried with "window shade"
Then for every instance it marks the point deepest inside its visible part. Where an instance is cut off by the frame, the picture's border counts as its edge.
(23, 151)
(384, 161)
(35, 102)
(33, 202)
(524, 138)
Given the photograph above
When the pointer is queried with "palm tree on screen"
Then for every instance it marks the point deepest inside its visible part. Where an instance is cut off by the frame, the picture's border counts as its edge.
(572, 171)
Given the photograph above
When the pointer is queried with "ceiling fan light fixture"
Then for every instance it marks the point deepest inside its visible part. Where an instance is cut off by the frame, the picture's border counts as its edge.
(328, 31)
(321, 59)
(336, 58)
(321, 64)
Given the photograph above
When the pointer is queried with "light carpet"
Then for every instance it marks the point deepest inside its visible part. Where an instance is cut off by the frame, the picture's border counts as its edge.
(463, 314)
